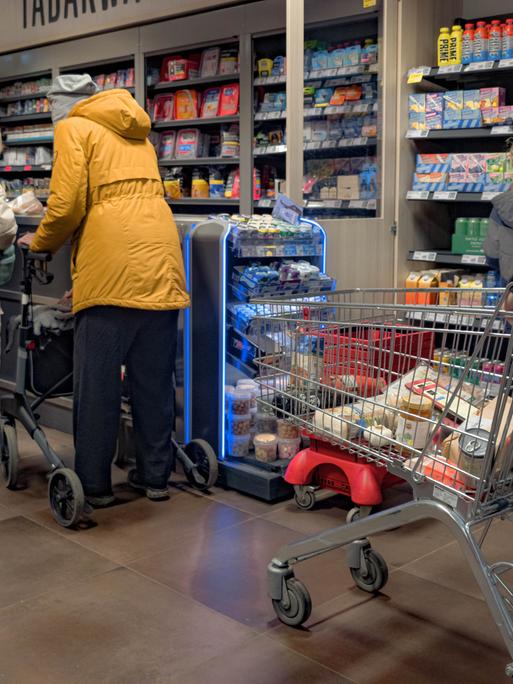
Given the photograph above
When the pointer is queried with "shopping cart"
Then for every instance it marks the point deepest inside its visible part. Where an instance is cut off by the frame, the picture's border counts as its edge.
(441, 419)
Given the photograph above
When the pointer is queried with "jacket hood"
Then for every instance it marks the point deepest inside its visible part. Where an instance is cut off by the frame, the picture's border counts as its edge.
(503, 205)
(116, 110)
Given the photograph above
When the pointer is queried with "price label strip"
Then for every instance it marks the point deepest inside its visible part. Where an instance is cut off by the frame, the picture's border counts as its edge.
(501, 130)
(416, 75)
(445, 195)
(475, 259)
(506, 64)
(488, 196)
(424, 256)
(480, 66)
(413, 133)
(450, 69)
(417, 195)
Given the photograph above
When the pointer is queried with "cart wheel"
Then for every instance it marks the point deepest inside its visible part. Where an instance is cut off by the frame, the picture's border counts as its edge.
(66, 497)
(205, 460)
(509, 670)
(357, 513)
(304, 499)
(295, 608)
(9, 458)
(376, 573)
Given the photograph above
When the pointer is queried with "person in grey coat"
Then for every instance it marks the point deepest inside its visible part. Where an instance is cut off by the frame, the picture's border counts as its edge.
(498, 245)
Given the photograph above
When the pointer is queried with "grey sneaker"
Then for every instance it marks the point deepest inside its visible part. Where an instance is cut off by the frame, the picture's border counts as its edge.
(151, 492)
(101, 501)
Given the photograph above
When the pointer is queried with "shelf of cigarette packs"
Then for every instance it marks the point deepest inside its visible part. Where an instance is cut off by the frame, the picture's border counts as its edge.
(119, 73)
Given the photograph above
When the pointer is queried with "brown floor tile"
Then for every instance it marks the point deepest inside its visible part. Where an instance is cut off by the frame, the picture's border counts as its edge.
(398, 546)
(227, 570)
(261, 661)
(34, 560)
(248, 504)
(449, 568)
(118, 628)
(417, 633)
(5, 513)
(141, 528)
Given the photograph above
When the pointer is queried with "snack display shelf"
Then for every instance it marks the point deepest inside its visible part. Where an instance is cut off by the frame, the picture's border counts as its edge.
(316, 146)
(204, 201)
(448, 258)
(25, 168)
(456, 133)
(201, 161)
(364, 204)
(320, 74)
(163, 86)
(19, 98)
(450, 196)
(20, 118)
(29, 141)
(318, 112)
(183, 123)
(273, 251)
(301, 289)
(461, 71)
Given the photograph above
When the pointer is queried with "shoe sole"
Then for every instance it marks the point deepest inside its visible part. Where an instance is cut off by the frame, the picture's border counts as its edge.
(151, 494)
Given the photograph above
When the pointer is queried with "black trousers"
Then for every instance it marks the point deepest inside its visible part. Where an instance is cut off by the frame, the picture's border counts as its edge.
(145, 341)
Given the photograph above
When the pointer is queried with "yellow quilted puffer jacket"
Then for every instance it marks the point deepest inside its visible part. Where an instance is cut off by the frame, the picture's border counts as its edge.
(106, 194)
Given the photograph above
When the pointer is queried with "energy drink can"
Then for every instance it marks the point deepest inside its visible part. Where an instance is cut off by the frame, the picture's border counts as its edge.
(458, 363)
(475, 372)
(474, 442)
(488, 369)
(498, 370)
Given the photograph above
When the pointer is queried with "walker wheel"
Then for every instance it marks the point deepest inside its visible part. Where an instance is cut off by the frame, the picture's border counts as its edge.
(295, 607)
(354, 514)
(204, 458)
(509, 670)
(9, 457)
(374, 576)
(66, 497)
(304, 499)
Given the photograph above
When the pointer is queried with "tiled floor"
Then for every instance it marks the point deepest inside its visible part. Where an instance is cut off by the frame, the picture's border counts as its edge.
(175, 593)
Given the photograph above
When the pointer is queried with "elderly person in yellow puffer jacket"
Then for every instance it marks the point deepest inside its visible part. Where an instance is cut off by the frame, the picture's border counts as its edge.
(128, 280)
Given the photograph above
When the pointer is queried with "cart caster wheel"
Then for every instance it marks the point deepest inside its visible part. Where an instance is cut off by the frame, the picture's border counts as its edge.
(357, 513)
(295, 607)
(305, 499)
(373, 575)
(509, 670)
(205, 460)
(9, 457)
(66, 497)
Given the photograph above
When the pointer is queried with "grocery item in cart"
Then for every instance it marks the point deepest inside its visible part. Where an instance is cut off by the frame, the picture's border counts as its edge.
(413, 429)
(378, 435)
(265, 447)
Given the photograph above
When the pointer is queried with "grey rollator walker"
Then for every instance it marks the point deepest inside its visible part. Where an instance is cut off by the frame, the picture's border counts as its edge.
(65, 493)
(44, 369)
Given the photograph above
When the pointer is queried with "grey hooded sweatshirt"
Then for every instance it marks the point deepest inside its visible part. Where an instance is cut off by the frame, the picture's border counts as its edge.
(498, 245)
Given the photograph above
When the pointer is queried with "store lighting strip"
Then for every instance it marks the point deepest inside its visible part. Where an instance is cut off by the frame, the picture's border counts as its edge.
(187, 341)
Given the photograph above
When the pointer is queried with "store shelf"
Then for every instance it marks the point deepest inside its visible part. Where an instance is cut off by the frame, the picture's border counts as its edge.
(25, 169)
(458, 133)
(192, 82)
(202, 161)
(447, 196)
(185, 123)
(318, 112)
(464, 71)
(20, 98)
(455, 319)
(25, 142)
(267, 150)
(320, 74)
(207, 201)
(447, 258)
(363, 205)
(20, 118)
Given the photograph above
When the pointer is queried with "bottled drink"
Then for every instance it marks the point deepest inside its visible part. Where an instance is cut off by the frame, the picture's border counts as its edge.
(443, 46)
(480, 42)
(507, 40)
(467, 44)
(495, 40)
(455, 40)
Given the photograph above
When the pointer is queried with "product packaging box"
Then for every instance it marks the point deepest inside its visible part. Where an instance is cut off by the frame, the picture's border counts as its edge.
(490, 116)
(417, 111)
(506, 114)
(471, 104)
(453, 104)
(492, 97)
(434, 110)
(348, 187)
(431, 182)
(465, 244)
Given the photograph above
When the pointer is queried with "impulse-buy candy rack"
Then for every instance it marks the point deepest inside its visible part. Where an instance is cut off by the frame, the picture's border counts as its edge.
(229, 261)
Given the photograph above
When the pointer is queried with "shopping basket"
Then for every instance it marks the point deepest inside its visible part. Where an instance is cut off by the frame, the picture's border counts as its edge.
(439, 418)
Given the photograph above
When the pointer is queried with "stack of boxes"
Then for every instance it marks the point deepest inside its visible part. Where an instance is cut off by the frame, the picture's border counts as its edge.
(423, 287)
(469, 235)
(458, 109)
(465, 172)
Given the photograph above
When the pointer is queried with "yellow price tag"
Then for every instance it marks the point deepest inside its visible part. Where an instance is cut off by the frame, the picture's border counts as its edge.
(415, 76)
(369, 3)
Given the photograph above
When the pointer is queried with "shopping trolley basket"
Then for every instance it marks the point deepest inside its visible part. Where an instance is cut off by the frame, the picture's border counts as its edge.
(416, 390)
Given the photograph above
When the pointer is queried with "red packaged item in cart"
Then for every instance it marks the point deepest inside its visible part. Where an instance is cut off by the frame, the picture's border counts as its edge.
(229, 101)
